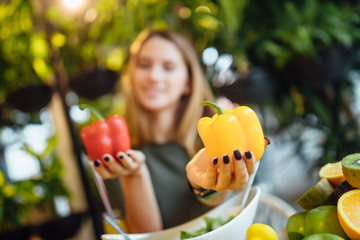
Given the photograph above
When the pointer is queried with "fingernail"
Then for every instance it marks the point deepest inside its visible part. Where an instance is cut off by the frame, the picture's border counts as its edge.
(237, 154)
(97, 163)
(215, 160)
(248, 154)
(226, 159)
(106, 159)
(129, 154)
(120, 156)
(267, 141)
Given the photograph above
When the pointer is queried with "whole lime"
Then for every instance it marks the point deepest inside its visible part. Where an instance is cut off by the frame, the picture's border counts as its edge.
(323, 236)
(295, 227)
(323, 219)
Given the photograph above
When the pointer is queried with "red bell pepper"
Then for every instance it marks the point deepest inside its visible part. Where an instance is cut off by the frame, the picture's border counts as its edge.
(105, 136)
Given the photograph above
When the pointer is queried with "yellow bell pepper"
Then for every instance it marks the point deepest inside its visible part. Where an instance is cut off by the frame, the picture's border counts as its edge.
(229, 130)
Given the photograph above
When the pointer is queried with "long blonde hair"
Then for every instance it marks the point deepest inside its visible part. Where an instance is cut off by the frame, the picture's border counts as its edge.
(190, 110)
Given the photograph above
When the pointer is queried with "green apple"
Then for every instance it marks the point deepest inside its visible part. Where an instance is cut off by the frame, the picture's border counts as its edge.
(295, 226)
(323, 236)
(323, 219)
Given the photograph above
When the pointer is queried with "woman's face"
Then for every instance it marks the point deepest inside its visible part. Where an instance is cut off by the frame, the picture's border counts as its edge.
(160, 76)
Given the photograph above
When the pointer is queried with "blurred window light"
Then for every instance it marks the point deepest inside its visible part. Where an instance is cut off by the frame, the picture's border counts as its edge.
(223, 63)
(62, 206)
(35, 136)
(73, 3)
(7, 135)
(210, 56)
(20, 117)
(46, 117)
(90, 15)
(71, 98)
(21, 165)
(355, 102)
(224, 78)
(78, 115)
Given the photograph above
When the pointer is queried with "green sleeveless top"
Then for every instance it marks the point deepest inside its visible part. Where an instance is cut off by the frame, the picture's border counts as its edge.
(166, 164)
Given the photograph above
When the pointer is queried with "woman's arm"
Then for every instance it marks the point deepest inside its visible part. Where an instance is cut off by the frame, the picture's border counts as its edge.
(142, 213)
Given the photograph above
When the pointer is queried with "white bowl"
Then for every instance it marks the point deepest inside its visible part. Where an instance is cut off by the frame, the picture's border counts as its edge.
(233, 230)
(275, 212)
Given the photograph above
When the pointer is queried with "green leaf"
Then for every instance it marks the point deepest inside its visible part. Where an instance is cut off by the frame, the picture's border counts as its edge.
(322, 35)
(232, 11)
(39, 46)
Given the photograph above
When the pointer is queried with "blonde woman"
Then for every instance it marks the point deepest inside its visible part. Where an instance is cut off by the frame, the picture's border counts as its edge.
(163, 85)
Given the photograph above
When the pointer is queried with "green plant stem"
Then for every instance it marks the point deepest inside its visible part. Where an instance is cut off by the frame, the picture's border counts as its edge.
(214, 105)
(93, 111)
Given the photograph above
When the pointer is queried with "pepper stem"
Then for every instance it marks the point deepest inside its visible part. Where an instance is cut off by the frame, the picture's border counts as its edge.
(92, 110)
(214, 105)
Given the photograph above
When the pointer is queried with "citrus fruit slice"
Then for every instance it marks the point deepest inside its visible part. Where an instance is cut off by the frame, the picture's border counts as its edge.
(317, 195)
(351, 169)
(349, 213)
(332, 172)
(323, 236)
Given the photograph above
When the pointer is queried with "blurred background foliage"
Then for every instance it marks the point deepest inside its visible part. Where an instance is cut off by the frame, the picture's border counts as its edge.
(19, 197)
(303, 50)
(295, 61)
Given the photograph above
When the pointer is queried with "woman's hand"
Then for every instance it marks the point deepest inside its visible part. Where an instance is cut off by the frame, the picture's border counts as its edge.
(216, 173)
(125, 165)
(139, 197)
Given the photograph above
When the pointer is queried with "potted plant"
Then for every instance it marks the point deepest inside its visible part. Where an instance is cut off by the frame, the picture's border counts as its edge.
(30, 98)
(94, 83)
(312, 36)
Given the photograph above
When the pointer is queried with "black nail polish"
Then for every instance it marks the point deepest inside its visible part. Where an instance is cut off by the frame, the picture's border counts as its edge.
(248, 154)
(106, 159)
(237, 154)
(129, 154)
(121, 156)
(226, 159)
(215, 160)
(97, 163)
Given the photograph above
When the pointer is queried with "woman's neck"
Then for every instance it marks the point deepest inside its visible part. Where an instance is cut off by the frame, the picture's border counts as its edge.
(163, 126)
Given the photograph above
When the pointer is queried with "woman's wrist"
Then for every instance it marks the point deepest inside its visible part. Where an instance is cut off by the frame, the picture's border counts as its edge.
(138, 173)
(200, 192)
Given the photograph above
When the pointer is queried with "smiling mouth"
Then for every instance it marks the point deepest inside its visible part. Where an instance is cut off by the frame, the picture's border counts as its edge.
(152, 92)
